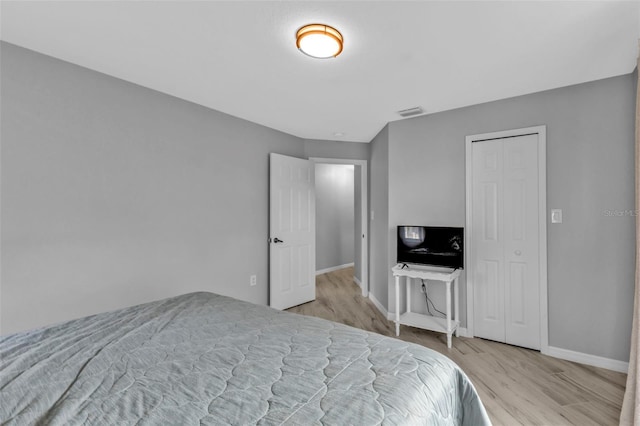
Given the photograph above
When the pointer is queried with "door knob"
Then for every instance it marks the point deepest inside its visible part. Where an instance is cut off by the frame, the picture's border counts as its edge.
(278, 240)
(518, 252)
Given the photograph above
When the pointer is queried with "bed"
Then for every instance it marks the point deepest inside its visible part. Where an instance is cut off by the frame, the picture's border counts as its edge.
(203, 358)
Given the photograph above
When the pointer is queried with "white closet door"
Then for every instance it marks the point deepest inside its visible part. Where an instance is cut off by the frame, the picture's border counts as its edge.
(521, 245)
(505, 241)
(487, 240)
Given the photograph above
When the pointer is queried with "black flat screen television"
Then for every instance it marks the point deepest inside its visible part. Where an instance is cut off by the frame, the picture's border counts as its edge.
(431, 245)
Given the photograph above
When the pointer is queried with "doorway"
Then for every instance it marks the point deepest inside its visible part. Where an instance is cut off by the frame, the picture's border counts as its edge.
(360, 235)
(506, 237)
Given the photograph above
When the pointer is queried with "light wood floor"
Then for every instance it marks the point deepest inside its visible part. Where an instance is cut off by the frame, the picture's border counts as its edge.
(516, 385)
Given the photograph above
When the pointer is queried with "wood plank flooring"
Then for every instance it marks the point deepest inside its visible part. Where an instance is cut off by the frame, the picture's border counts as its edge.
(516, 385)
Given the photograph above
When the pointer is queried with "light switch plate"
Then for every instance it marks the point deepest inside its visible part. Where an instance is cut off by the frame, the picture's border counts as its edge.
(556, 216)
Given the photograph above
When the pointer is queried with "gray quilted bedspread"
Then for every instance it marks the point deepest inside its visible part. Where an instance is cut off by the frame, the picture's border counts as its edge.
(202, 358)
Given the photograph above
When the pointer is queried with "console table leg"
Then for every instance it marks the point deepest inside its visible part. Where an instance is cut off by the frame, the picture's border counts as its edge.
(448, 310)
(456, 305)
(408, 285)
(397, 305)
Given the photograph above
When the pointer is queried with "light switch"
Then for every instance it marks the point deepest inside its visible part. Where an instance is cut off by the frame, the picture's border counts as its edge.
(556, 216)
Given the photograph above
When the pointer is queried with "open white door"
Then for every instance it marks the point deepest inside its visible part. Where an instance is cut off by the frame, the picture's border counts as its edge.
(292, 228)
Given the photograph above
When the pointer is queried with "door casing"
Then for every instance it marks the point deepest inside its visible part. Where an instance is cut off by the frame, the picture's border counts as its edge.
(364, 267)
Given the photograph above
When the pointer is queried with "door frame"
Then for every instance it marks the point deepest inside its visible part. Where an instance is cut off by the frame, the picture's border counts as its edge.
(541, 131)
(364, 266)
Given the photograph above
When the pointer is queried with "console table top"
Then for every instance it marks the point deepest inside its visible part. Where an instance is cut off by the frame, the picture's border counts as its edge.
(425, 272)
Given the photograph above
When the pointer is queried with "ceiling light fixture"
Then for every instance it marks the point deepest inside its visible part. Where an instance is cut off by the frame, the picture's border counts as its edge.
(319, 41)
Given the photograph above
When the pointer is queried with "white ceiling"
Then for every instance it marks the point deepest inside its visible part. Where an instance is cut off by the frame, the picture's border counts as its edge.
(239, 57)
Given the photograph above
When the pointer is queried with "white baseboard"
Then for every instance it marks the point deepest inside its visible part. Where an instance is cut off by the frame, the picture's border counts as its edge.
(333, 268)
(378, 305)
(582, 358)
(364, 290)
(462, 331)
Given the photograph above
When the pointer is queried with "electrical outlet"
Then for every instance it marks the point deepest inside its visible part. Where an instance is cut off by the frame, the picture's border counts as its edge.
(253, 280)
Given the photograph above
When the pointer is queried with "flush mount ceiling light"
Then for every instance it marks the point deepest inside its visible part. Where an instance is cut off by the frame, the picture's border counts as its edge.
(319, 41)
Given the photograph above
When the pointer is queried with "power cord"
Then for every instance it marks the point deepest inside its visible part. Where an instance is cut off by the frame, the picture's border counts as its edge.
(429, 301)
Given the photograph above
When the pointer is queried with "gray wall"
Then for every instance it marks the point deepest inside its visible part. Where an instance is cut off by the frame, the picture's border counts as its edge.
(336, 149)
(590, 169)
(334, 215)
(113, 194)
(379, 258)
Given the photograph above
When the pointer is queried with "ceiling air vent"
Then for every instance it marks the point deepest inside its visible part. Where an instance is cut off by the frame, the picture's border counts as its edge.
(411, 112)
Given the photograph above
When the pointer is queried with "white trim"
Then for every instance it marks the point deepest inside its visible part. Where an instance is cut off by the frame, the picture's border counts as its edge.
(542, 209)
(357, 281)
(333, 268)
(582, 358)
(378, 305)
(542, 237)
(467, 232)
(463, 332)
(364, 247)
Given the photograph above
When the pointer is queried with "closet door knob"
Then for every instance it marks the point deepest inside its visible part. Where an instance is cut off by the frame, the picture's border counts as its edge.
(518, 252)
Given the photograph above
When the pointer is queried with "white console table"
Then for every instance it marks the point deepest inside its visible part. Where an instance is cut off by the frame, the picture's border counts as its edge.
(428, 322)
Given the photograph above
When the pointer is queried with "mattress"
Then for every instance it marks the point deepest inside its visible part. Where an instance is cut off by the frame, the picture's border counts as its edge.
(203, 358)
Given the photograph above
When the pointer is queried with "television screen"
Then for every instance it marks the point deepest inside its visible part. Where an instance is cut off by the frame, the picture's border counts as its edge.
(431, 245)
